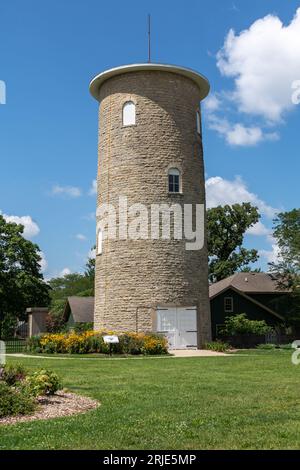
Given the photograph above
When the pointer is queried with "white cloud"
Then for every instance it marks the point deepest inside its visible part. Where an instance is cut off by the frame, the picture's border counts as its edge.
(70, 191)
(272, 256)
(238, 134)
(65, 272)
(259, 229)
(91, 216)
(220, 191)
(80, 237)
(93, 188)
(92, 253)
(248, 136)
(264, 61)
(43, 262)
(31, 228)
(212, 103)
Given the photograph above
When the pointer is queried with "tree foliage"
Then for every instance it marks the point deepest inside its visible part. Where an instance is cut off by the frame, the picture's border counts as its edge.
(77, 284)
(21, 281)
(287, 235)
(227, 226)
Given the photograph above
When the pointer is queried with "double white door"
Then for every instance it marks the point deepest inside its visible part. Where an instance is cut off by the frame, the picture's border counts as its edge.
(179, 325)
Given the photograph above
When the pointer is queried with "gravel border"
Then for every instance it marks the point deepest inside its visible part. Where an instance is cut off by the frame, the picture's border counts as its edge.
(56, 406)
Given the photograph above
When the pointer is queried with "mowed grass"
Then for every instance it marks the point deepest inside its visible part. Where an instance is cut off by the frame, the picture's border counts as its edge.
(247, 401)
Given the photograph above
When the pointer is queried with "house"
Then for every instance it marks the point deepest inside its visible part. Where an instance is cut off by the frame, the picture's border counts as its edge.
(256, 294)
(79, 310)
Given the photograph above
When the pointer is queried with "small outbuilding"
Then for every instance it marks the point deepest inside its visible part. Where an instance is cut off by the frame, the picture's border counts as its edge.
(79, 310)
(259, 295)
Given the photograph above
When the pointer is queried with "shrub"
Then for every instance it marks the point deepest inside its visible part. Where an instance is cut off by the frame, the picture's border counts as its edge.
(55, 321)
(218, 346)
(81, 327)
(266, 346)
(240, 324)
(12, 374)
(285, 346)
(42, 382)
(92, 342)
(14, 401)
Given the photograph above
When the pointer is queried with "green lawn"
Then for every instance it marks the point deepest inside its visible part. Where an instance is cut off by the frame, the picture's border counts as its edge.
(249, 401)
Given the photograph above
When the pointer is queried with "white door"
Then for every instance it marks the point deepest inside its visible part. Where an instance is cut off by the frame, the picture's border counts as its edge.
(166, 325)
(187, 328)
(179, 325)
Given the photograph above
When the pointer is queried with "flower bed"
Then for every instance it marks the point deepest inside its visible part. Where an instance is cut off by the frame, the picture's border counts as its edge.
(89, 342)
(20, 389)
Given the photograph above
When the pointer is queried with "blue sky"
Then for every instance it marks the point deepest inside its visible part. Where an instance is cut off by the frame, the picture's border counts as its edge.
(49, 51)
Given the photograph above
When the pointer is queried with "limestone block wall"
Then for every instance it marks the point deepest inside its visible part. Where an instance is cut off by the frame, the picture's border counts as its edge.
(133, 277)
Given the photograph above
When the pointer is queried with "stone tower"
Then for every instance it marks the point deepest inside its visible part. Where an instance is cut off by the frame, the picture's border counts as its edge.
(150, 152)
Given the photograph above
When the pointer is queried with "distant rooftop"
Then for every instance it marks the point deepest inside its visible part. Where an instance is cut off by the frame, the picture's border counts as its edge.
(249, 283)
(82, 309)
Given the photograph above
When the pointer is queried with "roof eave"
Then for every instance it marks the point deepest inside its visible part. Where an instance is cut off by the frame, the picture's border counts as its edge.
(198, 78)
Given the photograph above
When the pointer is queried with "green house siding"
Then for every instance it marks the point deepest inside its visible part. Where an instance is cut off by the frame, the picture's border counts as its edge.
(280, 303)
(240, 305)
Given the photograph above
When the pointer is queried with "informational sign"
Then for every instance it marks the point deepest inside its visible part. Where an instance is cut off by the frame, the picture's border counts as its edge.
(111, 339)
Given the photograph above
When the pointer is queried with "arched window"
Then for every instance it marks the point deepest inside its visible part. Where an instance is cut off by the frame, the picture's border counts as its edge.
(99, 242)
(198, 122)
(128, 113)
(174, 180)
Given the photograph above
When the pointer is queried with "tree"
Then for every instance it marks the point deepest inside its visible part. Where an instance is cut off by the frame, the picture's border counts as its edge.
(227, 226)
(286, 232)
(21, 281)
(78, 284)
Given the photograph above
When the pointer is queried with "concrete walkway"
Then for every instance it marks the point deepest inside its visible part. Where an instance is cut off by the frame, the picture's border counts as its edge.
(174, 353)
(196, 353)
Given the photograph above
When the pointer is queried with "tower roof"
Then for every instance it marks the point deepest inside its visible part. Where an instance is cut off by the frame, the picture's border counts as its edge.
(199, 79)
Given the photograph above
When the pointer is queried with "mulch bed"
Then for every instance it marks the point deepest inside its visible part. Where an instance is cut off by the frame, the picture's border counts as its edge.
(56, 406)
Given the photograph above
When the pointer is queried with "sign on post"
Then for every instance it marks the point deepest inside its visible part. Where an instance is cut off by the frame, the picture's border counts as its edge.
(110, 339)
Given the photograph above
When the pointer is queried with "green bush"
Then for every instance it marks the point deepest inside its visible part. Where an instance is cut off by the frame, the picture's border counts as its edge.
(241, 325)
(285, 346)
(33, 344)
(80, 327)
(12, 374)
(217, 346)
(42, 382)
(15, 401)
(266, 346)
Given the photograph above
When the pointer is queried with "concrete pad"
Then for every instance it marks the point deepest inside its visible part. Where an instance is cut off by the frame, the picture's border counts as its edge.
(195, 353)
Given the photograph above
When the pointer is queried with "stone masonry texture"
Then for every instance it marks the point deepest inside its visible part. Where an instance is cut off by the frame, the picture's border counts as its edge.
(134, 277)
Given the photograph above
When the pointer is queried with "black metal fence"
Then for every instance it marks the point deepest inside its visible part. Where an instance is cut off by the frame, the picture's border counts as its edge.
(15, 345)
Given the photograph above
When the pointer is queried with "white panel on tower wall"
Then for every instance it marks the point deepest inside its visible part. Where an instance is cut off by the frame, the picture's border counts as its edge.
(129, 114)
(99, 242)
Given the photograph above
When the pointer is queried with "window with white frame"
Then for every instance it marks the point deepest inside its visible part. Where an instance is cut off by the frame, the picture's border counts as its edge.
(228, 304)
(174, 180)
(99, 242)
(198, 122)
(128, 114)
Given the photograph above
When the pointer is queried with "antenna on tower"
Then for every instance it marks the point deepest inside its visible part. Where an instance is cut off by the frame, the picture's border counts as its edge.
(149, 38)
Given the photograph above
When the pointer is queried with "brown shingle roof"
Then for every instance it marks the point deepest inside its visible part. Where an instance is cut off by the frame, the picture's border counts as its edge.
(82, 309)
(259, 283)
